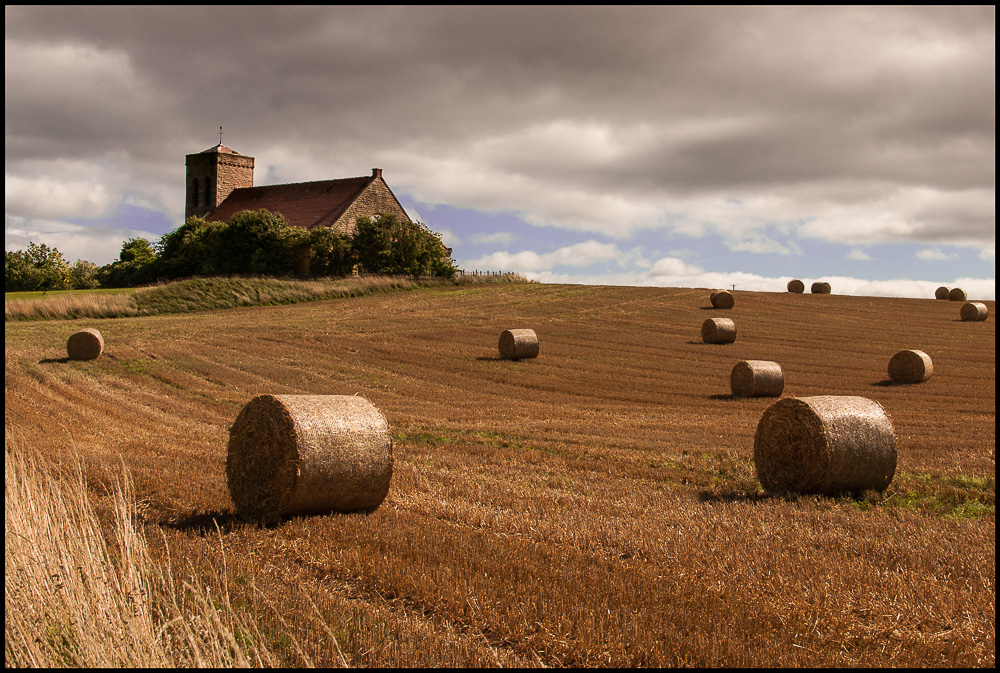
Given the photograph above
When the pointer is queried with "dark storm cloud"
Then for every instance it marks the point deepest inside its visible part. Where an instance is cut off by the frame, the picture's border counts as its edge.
(559, 113)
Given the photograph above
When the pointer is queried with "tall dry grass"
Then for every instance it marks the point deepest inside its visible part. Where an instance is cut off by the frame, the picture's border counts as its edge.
(211, 294)
(76, 596)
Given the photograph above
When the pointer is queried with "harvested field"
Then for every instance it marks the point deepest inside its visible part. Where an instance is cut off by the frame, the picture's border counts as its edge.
(594, 506)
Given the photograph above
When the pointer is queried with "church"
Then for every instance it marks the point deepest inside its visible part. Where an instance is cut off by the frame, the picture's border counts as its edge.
(220, 184)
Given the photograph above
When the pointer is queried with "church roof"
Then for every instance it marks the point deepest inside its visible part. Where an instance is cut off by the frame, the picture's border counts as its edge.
(220, 148)
(303, 204)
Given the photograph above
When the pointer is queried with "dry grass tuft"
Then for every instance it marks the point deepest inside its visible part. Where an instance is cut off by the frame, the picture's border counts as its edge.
(974, 311)
(518, 343)
(79, 593)
(942, 292)
(827, 444)
(797, 286)
(86, 344)
(308, 454)
(757, 378)
(957, 294)
(910, 366)
(722, 299)
(718, 331)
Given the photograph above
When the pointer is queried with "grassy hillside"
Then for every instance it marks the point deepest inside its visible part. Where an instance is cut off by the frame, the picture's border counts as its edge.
(597, 505)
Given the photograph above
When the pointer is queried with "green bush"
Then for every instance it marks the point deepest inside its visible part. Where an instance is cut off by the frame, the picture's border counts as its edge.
(387, 245)
(38, 268)
(135, 265)
(255, 242)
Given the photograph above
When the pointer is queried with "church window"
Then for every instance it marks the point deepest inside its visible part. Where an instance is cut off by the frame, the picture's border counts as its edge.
(195, 192)
(208, 190)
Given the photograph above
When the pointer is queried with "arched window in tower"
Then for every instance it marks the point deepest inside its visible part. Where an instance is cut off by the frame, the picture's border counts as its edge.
(194, 192)
(208, 192)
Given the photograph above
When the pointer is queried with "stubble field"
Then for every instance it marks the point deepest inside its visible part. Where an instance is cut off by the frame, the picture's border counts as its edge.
(595, 506)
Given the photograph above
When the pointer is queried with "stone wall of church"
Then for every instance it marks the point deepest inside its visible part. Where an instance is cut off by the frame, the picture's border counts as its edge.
(377, 198)
(217, 174)
(232, 172)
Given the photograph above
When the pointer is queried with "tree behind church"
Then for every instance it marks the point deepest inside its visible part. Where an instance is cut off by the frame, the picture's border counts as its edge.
(384, 244)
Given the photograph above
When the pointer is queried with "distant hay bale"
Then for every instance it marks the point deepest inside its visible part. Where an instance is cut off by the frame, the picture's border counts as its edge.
(974, 310)
(827, 444)
(820, 288)
(308, 454)
(86, 344)
(942, 292)
(518, 343)
(718, 331)
(957, 294)
(910, 366)
(757, 378)
(797, 286)
(722, 299)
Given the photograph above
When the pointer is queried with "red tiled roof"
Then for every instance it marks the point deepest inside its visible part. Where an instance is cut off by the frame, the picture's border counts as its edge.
(303, 204)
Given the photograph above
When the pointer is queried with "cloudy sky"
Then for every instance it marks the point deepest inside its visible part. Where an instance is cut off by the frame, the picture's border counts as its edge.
(695, 147)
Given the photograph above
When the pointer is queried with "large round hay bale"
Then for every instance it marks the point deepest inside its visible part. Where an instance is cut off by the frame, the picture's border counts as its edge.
(722, 299)
(820, 288)
(957, 294)
(308, 454)
(797, 286)
(86, 344)
(910, 366)
(942, 292)
(974, 310)
(718, 331)
(518, 343)
(757, 378)
(827, 444)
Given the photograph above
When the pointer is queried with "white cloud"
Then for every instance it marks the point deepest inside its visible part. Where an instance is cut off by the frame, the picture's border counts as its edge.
(671, 268)
(100, 245)
(498, 238)
(932, 255)
(858, 255)
(578, 255)
(46, 197)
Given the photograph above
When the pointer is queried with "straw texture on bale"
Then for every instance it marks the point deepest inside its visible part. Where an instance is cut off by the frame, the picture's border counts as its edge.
(722, 299)
(87, 344)
(718, 331)
(518, 343)
(827, 444)
(910, 366)
(757, 378)
(308, 454)
(974, 310)
(957, 294)
(820, 288)
(796, 286)
(942, 293)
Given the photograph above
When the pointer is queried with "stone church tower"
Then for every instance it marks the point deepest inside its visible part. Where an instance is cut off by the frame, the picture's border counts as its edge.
(212, 175)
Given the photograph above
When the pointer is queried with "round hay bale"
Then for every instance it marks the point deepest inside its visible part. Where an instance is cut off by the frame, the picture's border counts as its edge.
(974, 310)
(308, 454)
(718, 331)
(757, 378)
(722, 299)
(910, 367)
(941, 293)
(957, 294)
(797, 286)
(86, 344)
(518, 343)
(820, 288)
(827, 444)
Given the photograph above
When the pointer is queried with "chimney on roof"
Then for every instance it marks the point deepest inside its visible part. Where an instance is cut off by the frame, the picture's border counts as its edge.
(376, 172)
